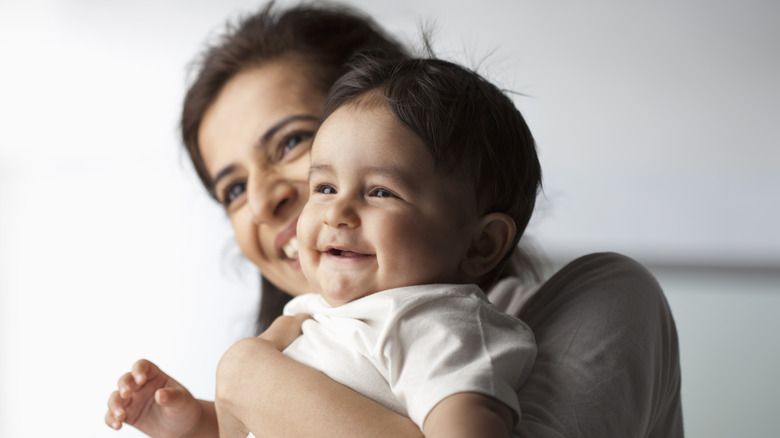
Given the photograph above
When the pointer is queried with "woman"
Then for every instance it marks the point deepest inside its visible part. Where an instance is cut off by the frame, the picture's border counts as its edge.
(607, 362)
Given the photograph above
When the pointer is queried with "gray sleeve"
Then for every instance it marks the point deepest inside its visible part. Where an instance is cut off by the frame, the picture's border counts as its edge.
(608, 360)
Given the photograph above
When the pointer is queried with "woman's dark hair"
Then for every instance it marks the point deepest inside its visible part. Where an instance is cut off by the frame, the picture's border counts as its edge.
(471, 128)
(325, 34)
(328, 36)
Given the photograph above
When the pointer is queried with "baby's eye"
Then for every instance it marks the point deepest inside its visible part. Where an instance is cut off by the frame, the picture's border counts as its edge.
(292, 141)
(232, 191)
(381, 192)
(325, 189)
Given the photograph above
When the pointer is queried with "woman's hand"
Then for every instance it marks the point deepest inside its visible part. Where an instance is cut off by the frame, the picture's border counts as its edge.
(261, 390)
(158, 405)
(284, 330)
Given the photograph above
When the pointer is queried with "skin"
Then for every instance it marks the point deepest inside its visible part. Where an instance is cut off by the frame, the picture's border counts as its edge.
(380, 215)
(255, 140)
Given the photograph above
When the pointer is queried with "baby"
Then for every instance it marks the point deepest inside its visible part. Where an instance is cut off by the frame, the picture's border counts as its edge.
(423, 178)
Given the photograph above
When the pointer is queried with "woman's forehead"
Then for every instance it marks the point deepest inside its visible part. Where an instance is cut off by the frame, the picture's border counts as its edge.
(253, 102)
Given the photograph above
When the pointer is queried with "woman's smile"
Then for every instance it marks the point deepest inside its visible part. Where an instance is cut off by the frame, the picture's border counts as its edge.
(286, 242)
(291, 249)
(255, 140)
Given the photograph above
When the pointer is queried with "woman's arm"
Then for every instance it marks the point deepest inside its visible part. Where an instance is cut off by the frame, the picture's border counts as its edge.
(265, 392)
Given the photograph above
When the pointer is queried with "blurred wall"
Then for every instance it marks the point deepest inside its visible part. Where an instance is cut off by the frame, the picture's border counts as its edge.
(654, 123)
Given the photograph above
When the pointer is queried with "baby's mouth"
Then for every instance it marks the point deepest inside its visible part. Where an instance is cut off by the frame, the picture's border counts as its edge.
(291, 248)
(344, 253)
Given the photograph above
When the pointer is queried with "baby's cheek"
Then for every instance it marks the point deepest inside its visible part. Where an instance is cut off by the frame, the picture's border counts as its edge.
(307, 227)
(417, 253)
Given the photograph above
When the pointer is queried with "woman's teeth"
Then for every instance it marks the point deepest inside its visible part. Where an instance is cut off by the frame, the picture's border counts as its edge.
(291, 249)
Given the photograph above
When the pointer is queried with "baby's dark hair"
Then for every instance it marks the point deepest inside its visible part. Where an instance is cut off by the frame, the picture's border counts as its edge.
(469, 125)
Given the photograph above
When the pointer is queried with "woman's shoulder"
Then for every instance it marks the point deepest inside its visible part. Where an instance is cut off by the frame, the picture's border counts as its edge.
(599, 281)
(595, 319)
(605, 267)
(591, 283)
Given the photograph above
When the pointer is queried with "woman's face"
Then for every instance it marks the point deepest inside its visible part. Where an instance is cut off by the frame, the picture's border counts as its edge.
(255, 140)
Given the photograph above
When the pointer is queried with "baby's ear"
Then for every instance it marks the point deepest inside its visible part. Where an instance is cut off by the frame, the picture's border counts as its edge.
(491, 240)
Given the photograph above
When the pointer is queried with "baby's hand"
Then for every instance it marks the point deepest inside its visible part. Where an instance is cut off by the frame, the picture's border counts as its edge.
(154, 403)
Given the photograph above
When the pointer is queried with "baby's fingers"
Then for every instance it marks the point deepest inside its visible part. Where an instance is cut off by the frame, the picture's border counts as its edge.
(116, 411)
(144, 370)
(127, 385)
(113, 422)
(172, 397)
(141, 372)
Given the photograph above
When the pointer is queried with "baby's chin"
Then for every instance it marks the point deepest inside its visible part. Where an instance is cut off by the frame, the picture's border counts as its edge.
(338, 295)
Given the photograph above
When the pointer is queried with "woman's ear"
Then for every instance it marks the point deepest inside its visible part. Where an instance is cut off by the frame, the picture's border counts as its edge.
(492, 239)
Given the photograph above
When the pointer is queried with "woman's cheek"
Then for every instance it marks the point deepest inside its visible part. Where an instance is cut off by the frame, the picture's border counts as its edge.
(246, 234)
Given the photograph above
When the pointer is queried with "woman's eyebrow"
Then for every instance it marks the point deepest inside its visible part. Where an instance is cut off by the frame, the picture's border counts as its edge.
(271, 132)
(267, 136)
(221, 174)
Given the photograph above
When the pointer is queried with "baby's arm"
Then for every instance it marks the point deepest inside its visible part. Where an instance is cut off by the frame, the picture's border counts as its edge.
(261, 390)
(468, 414)
(158, 405)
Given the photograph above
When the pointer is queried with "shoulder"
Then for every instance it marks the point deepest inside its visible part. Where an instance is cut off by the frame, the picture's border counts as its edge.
(598, 283)
(602, 324)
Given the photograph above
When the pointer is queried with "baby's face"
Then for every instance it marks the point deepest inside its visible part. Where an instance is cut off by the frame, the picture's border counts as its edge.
(379, 215)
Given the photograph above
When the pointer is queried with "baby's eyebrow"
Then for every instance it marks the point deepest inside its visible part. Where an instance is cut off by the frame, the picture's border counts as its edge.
(396, 174)
(320, 168)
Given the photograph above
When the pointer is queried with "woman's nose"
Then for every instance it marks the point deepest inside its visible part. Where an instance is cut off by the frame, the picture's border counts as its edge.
(270, 199)
(341, 212)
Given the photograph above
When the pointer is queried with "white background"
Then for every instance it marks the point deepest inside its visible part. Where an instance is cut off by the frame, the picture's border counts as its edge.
(655, 122)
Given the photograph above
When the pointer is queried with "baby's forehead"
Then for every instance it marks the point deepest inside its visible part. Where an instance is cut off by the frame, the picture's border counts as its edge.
(370, 118)
(372, 107)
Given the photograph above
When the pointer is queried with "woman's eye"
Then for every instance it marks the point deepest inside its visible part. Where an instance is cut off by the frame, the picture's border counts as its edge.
(232, 192)
(382, 193)
(292, 141)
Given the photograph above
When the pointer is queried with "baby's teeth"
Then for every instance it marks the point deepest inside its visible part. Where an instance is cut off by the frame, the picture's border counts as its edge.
(291, 249)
